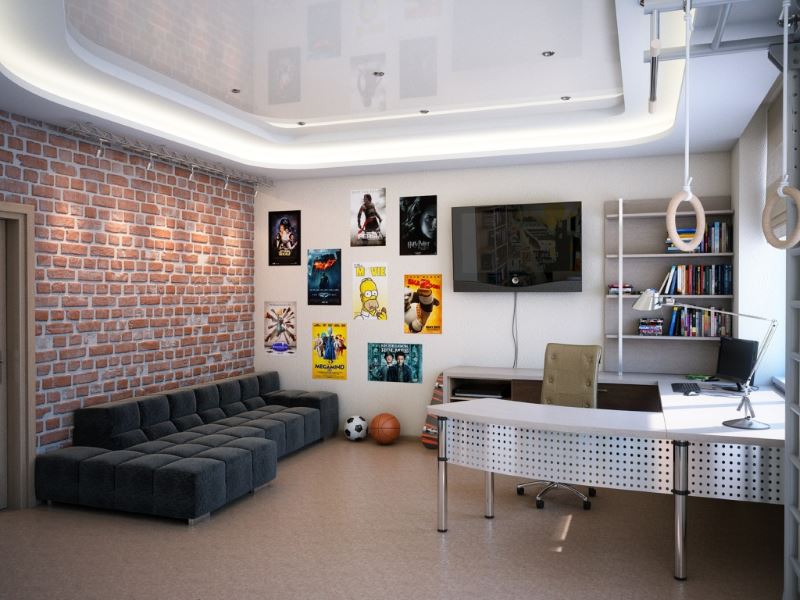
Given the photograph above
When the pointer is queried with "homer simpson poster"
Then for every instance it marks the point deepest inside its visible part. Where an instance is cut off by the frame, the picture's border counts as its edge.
(370, 291)
(422, 303)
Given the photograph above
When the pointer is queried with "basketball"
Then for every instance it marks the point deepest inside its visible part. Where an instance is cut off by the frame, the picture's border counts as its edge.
(384, 428)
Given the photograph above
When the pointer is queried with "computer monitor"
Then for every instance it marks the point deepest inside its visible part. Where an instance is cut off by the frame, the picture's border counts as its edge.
(736, 359)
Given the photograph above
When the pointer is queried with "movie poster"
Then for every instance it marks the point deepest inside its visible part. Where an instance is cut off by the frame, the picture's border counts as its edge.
(284, 237)
(280, 327)
(370, 291)
(325, 276)
(401, 363)
(368, 217)
(422, 303)
(329, 351)
(418, 225)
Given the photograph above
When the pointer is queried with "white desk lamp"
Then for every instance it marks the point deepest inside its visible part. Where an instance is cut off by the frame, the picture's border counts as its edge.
(651, 300)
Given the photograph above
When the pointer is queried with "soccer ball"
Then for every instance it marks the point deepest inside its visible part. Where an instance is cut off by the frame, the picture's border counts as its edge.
(355, 428)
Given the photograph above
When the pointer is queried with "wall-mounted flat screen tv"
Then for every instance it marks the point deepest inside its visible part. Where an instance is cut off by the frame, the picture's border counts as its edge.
(517, 247)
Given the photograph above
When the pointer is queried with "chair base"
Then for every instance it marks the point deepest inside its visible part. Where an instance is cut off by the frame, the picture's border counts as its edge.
(552, 485)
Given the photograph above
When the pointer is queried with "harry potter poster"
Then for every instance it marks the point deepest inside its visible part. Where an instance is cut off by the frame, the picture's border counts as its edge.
(418, 225)
(325, 276)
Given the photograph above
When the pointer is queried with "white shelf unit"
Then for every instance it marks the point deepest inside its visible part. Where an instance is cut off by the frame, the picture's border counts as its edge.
(635, 245)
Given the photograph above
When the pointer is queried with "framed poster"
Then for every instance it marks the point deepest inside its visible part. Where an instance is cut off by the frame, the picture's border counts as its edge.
(329, 350)
(399, 363)
(422, 303)
(325, 276)
(418, 225)
(370, 291)
(284, 237)
(368, 217)
(280, 328)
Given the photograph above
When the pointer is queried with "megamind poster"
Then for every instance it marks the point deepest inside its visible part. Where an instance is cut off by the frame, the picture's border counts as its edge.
(325, 276)
(329, 350)
(284, 237)
(418, 225)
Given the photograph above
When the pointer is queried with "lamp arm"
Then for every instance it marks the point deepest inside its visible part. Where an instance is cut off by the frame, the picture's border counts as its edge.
(671, 302)
(773, 325)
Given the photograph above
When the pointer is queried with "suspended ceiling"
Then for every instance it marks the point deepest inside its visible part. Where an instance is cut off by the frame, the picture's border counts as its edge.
(290, 88)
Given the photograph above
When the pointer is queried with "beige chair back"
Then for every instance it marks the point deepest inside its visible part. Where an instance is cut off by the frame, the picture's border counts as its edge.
(570, 375)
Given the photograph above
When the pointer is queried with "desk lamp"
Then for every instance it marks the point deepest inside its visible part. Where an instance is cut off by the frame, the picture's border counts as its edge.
(651, 300)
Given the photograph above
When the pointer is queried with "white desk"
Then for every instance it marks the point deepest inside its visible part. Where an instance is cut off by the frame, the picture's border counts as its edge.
(645, 451)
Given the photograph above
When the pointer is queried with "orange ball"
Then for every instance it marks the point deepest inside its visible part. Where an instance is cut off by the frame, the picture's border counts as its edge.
(384, 428)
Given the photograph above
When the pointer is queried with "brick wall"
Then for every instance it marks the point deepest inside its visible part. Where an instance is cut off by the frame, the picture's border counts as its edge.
(144, 278)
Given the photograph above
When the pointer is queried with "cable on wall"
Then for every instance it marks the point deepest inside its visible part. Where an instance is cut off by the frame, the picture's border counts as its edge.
(107, 139)
(514, 332)
(686, 195)
(783, 191)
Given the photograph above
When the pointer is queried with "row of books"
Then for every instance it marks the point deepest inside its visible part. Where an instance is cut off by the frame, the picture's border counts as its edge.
(717, 238)
(699, 279)
(651, 326)
(614, 289)
(690, 322)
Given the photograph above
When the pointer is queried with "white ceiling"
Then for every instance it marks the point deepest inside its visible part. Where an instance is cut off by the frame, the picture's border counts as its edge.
(163, 73)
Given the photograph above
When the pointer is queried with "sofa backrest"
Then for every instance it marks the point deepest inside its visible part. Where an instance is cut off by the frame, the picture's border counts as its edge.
(122, 424)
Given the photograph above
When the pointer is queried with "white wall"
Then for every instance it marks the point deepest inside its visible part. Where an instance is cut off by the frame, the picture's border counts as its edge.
(759, 277)
(476, 327)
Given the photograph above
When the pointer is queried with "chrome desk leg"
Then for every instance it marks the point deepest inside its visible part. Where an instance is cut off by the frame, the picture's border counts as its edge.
(488, 504)
(442, 473)
(680, 489)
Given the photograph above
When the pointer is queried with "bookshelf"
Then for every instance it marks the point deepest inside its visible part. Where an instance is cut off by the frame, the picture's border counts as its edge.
(635, 245)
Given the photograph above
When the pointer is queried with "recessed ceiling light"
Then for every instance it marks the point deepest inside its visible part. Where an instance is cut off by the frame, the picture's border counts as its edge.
(424, 111)
(565, 98)
(301, 123)
(548, 53)
(235, 91)
(378, 73)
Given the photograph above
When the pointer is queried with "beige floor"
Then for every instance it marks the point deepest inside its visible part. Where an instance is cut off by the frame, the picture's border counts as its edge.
(347, 520)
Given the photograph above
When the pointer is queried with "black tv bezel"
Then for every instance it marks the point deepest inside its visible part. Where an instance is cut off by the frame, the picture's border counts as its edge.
(463, 285)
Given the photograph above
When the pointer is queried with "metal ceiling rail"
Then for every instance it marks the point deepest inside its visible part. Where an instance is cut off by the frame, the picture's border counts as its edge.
(698, 50)
(668, 5)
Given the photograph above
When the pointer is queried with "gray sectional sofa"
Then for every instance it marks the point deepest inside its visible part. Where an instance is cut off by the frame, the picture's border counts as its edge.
(185, 453)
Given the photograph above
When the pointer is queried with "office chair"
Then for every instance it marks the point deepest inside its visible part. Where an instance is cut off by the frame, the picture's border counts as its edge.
(570, 379)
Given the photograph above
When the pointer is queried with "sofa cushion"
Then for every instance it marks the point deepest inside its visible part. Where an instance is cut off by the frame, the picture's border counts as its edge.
(187, 421)
(189, 487)
(151, 447)
(214, 440)
(265, 458)
(230, 398)
(127, 439)
(182, 403)
(182, 437)
(253, 403)
(185, 450)
(231, 421)
(208, 403)
(133, 482)
(311, 422)
(295, 429)
(98, 425)
(248, 387)
(207, 429)
(97, 478)
(57, 473)
(238, 469)
(268, 382)
(273, 430)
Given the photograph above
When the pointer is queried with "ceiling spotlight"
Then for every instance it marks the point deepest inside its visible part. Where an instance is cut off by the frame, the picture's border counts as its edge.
(548, 53)
(565, 98)
(150, 164)
(235, 90)
(424, 111)
(227, 181)
(301, 123)
(191, 175)
(99, 152)
(378, 73)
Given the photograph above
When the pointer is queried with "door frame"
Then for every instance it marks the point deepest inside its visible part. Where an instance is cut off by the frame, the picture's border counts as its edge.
(20, 365)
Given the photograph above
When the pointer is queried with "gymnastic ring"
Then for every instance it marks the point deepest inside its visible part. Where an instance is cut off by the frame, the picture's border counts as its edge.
(700, 226)
(766, 217)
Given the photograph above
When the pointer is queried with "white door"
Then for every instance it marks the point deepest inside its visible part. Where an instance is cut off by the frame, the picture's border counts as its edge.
(3, 377)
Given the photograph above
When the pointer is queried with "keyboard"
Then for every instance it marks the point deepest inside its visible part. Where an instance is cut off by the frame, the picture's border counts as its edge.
(686, 388)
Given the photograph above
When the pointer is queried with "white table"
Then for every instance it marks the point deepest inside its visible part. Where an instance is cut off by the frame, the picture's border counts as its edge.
(645, 451)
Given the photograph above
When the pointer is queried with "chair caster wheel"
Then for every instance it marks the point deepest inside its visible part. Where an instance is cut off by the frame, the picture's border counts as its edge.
(540, 504)
(592, 492)
(520, 490)
(587, 505)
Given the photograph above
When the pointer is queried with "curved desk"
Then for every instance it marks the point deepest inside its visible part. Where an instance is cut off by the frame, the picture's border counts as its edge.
(681, 450)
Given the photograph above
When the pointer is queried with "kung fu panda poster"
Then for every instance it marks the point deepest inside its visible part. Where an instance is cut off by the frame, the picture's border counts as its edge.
(422, 303)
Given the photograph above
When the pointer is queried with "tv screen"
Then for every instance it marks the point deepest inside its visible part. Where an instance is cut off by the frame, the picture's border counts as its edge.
(517, 247)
